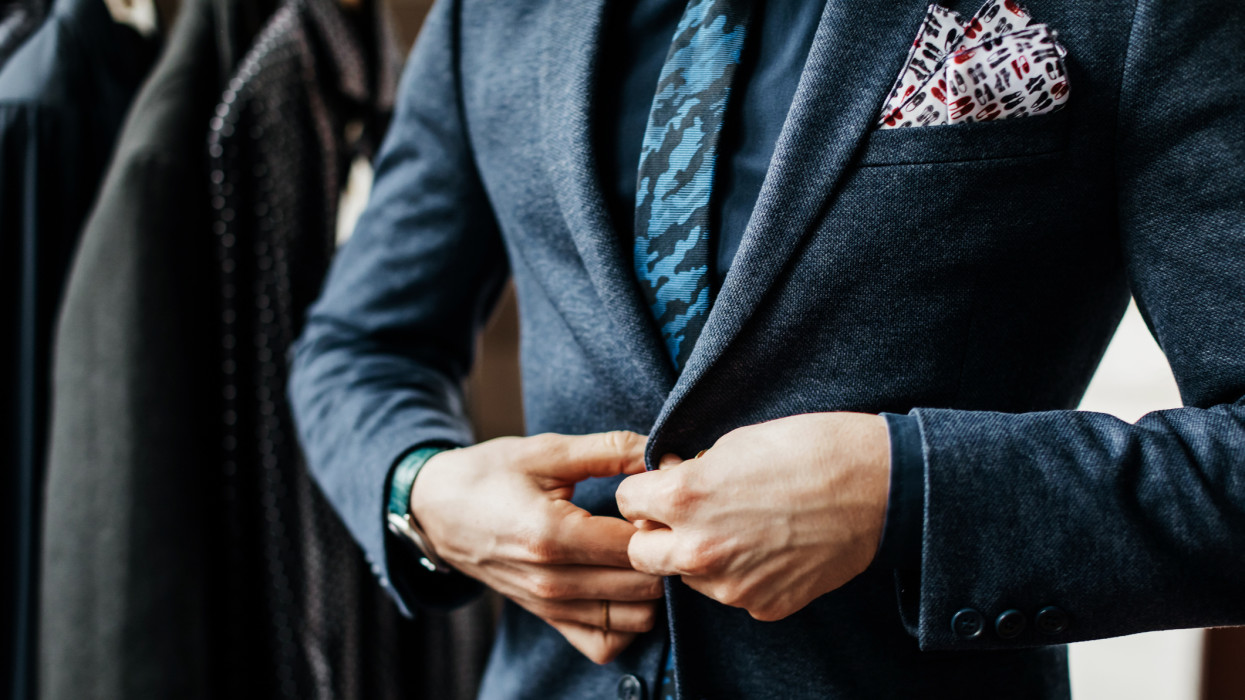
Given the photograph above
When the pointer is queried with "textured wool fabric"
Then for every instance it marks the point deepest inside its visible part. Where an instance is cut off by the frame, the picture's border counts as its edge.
(974, 273)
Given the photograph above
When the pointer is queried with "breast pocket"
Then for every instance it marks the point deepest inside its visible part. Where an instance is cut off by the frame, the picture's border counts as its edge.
(978, 141)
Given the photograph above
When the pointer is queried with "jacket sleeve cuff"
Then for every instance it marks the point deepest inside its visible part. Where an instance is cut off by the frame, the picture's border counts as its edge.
(900, 547)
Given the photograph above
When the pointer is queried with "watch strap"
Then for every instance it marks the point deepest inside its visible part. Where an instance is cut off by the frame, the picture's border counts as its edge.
(404, 477)
(398, 518)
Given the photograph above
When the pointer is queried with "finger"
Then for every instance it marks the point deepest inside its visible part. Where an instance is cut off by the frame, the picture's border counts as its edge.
(710, 587)
(592, 583)
(654, 552)
(574, 458)
(597, 540)
(623, 617)
(600, 647)
(647, 496)
(670, 461)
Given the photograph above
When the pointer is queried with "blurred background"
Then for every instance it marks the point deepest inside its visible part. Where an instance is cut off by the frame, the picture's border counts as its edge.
(176, 175)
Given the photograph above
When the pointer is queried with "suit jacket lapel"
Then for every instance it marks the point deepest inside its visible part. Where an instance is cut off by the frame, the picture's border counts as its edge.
(567, 80)
(858, 50)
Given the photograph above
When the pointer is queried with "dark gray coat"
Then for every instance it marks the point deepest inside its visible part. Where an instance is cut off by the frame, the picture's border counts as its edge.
(126, 591)
(63, 96)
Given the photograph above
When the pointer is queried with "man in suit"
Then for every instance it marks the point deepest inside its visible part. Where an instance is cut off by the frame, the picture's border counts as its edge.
(854, 350)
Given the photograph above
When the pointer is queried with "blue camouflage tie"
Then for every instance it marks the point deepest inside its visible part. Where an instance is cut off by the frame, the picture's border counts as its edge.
(672, 242)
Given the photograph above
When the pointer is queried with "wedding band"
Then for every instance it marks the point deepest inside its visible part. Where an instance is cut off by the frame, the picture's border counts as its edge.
(673, 464)
(605, 615)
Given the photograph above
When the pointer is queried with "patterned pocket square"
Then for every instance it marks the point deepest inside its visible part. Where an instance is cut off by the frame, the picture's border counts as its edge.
(997, 65)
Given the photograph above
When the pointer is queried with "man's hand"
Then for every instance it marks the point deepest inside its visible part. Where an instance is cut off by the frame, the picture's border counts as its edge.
(773, 516)
(500, 512)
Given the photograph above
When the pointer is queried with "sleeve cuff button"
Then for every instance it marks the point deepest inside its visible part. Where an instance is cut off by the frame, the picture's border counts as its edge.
(967, 624)
(1052, 620)
(1009, 624)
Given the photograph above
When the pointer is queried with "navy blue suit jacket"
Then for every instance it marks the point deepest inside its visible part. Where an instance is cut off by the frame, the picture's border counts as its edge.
(971, 275)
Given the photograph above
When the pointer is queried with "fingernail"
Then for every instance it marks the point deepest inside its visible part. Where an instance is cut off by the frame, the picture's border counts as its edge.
(668, 461)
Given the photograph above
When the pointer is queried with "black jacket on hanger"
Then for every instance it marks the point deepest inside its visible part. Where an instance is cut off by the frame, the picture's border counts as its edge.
(62, 98)
(126, 606)
(200, 560)
(315, 92)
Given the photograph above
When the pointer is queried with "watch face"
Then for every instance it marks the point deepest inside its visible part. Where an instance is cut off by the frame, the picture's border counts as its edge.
(401, 528)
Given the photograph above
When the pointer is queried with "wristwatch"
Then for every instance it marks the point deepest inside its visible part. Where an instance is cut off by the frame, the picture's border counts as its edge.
(399, 519)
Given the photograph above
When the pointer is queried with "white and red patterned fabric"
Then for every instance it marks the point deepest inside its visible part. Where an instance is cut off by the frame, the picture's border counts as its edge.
(997, 65)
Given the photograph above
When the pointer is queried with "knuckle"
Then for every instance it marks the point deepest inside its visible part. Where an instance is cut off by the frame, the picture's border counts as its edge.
(702, 556)
(542, 551)
(542, 443)
(545, 586)
(509, 450)
(654, 588)
(620, 441)
(541, 608)
(766, 613)
(541, 544)
(728, 594)
(648, 618)
(682, 496)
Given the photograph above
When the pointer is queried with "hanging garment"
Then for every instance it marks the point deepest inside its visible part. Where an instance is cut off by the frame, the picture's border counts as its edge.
(127, 595)
(62, 98)
(18, 20)
(305, 616)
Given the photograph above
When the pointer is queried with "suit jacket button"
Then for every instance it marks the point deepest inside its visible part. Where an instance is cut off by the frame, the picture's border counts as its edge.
(1051, 620)
(1010, 624)
(630, 688)
(967, 624)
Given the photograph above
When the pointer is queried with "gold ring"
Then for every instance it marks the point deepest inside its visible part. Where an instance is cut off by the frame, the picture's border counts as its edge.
(605, 615)
(700, 454)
